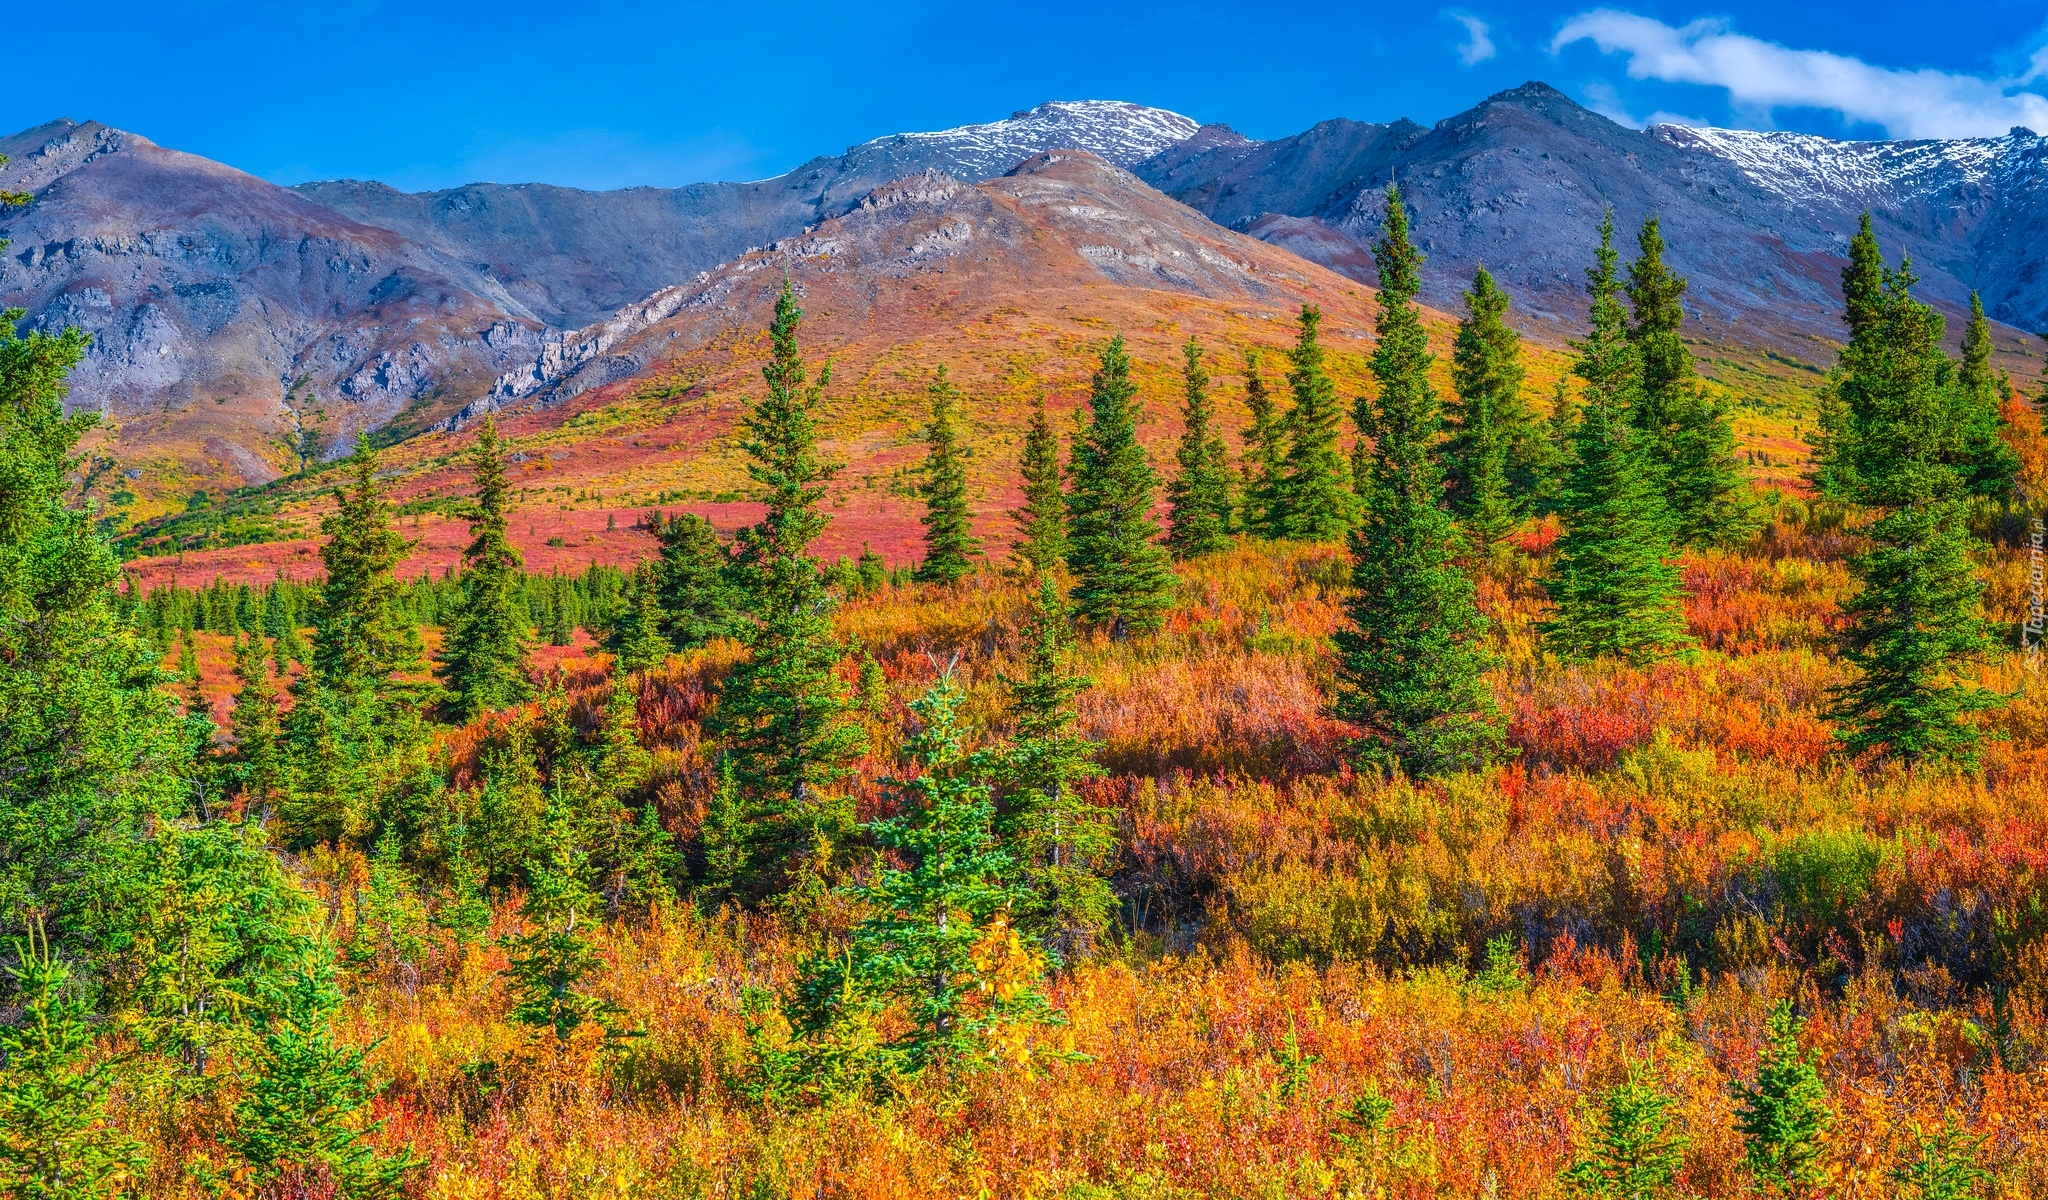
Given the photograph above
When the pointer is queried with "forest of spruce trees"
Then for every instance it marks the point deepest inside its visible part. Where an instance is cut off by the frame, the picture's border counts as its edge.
(149, 891)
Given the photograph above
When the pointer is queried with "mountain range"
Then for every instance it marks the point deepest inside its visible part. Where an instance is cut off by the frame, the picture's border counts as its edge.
(227, 311)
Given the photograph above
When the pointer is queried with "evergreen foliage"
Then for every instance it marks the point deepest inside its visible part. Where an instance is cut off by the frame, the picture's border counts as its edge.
(935, 973)
(55, 1142)
(1946, 1166)
(1061, 840)
(697, 599)
(1123, 578)
(1316, 502)
(949, 547)
(1488, 423)
(1042, 519)
(870, 571)
(636, 636)
(551, 957)
(91, 751)
(259, 771)
(1905, 436)
(304, 1123)
(1635, 1154)
(1410, 669)
(1198, 496)
(783, 712)
(1784, 1113)
(362, 637)
(1614, 581)
(1974, 373)
(1265, 455)
(483, 662)
(1686, 434)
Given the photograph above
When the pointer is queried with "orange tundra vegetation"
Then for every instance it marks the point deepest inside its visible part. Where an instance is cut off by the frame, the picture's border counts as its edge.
(1329, 984)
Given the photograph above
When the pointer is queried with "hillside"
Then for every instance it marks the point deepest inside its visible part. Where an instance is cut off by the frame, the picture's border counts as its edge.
(1013, 283)
(208, 292)
(577, 256)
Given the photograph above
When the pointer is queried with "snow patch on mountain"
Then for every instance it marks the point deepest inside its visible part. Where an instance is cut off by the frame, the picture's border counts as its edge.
(1124, 133)
(1809, 170)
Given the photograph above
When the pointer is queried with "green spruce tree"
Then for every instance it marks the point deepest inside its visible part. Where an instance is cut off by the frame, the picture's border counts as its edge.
(483, 662)
(936, 958)
(550, 958)
(697, 599)
(1784, 1113)
(259, 767)
(1061, 840)
(1614, 582)
(1265, 455)
(1685, 432)
(949, 547)
(1410, 667)
(361, 636)
(1198, 496)
(636, 636)
(1906, 438)
(1123, 578)
(304, 1124)
(1041, 521)
(94, 754)
(1488, 423)
(1635, 1154)
(782, 712)
(1316, 502)
(56, 1142)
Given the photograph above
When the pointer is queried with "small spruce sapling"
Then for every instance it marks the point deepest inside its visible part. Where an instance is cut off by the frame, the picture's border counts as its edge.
(1634, 1155)
(1784, 1113)
(55, 1140)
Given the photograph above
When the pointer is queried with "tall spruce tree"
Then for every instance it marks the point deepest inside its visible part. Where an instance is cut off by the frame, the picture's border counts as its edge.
(1198, 496)
(1488, 421)
(783, 713)
(93, 752)
(483, 662)
(361, 637)
(949, 547)
(1909, 440)
(1317, 503)
(1123, 579)
(1410, 669)
(1975, 372)
(697, 599)
(1042, 519)
(1614, 583)
(1685, 432)
(1265, 455)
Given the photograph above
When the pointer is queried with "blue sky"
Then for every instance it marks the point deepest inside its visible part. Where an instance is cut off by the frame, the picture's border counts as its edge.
(427, 94)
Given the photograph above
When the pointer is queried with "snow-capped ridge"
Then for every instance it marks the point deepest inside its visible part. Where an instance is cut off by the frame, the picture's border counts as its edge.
(1121, 132)
(1807, 169)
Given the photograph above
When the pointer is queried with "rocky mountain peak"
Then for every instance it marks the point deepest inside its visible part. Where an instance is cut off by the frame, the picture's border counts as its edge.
(1121, 132)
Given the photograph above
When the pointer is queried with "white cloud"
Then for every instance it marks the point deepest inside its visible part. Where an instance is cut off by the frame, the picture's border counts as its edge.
(1762, 76)
(1478, 44)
